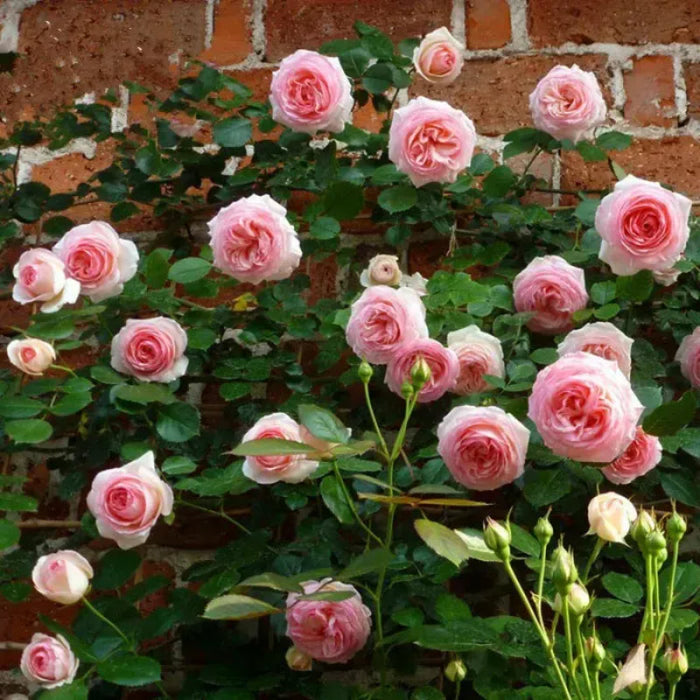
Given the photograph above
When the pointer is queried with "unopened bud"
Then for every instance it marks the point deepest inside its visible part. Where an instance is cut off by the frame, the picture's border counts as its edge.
(660, 558)
(595, 652)
(674, 664)
(654, 543)
(420, 373)
(644, 525)
(297, 660)
(406, 390)
(497, 538)
(578, 599)
(365, 372)
(676, 526)
(564, 573)
(456, 671)
(544, 531)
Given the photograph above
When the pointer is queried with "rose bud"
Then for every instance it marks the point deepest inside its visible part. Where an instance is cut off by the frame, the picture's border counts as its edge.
(674, 664)
(642, 526)
(456, 671)
(544, 531)
(676, 526)
(63, 576)
(382, 269)
(577, 599)
(48, 661)
(610, 516)
(564, 572)
(438, 58)
(31, 355)
(497, 538)
(297, 660)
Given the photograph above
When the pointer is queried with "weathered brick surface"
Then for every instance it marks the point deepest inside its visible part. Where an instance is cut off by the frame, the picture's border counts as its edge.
(554, 22)
(231, 37)
(494, 92)
(306, 24)
(650, 92)
(692, 86)
(488, 24)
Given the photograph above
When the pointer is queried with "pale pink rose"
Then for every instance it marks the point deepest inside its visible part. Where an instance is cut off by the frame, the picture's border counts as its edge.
(633, 671)
(567, 103)
(382, 269)
(416, 282)
(688, 355)
(270, 469)
(478, 353)
(666, 277)
(483, 446)
(31, 355)
(643, 226)
(640, 457)
(41, 276)
(127, 501)
(329, 631)
(439, 57)
(610, 516)
(551, 289)
(443, 363)
(98, 259)
(48, 661)
(603, 339)
(152, 349)
(584, 408)
(63, 576)
(252, 240)
(310, 92)
(382, 320)
(431, 141)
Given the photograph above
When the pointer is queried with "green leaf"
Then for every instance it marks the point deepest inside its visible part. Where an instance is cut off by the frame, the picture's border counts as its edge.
(176, 466)
(201, 338)
(57, 225)
(637, 287)
(682, 488)
(270, 446)
(71, 403)
(544, 356)
(19, 407)
(115, 569)
(355, 464)
(590, 153)
(235, 606)
(623, 587)
(233, 132)
(105, 375)
(77, 690)
(231, 391)
(343, 200)
(442, 540)
(545, 486)
(271, 580)
(189, 270)
(53, 328)
(457, 636)
(142, 393)
(603, 292)
(156, 266)
(123, 210)
(399, 198)
(585, 211)
(129, 670)
(427, 693)
(9, 534)
(366, 563)
(334, 498)
(17, 502)
(499, 181)
(476, 547)
(324, 228)
(613, 141)
(321, 423)
(178, 422)
(30, 431)
(609, 607)
(669, 418)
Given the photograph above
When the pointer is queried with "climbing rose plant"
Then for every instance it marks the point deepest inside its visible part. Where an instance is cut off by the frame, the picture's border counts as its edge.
(341, 452)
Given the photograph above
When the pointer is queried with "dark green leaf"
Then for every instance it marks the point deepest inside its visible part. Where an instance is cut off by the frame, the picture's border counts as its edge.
(178, 422)
(115, 569)
(129, 670)
(321, 423)
(334, 498)
(233, 132)
(189, 270)
(30, 431)
(398, 198)
(671, 417)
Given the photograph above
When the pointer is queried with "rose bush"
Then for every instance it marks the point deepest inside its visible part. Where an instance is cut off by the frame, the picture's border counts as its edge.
(315, 457)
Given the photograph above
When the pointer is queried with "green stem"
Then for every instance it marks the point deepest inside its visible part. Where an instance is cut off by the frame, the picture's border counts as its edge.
(657, 594)
(672, 691)
(382, 441)
(108, 622)
(159, 685)
(540, 583)
(351, 504)
(569, 643)
(68, 370)
(596, 685)
(597, 549)
(458, 686)
(220, 513)
(537, 152)
(582, 656)
(648, 619)
(194, 304)
(664, 622)
(548, 645)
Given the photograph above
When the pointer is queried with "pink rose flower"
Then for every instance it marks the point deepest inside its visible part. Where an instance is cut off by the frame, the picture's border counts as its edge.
(584, 408)
(291, 468)
(382, 269)
(431, 141)
(602, 339)
(310, 92)
(567, 102)
(640, 457)
(252, 240)
(478, 353)
(483, 446)
(63, 576)
(48, 661)
(31, 355)
(551, 289)
(151, 350)
(382, 320)
(688, 355)
(666, 277)
(643, 226)
(127, 501)
(98, 259)
(610, 516)
(443, 363)
(439, 58)
(41, 276)
(330, 631)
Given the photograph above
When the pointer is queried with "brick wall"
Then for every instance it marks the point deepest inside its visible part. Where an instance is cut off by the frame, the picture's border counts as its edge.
(646, 55)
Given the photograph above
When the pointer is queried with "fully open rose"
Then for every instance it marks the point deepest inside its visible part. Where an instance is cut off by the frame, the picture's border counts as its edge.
(382, 320)
(330, 631)
(688, 355)
(48, 661)
(31, 355)
(252, 240)
(478, 353)
(483, 446)
(431, 141)
(602, 339)
(127, 501)
(439, 57)
(98, 258)
(269, 469)
(63, 576)
(584, 408)
(643, 226)
(640, 457)
(310, 93)
(41, 276)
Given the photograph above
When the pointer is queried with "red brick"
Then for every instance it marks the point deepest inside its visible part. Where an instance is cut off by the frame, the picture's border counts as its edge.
(488, 24)
(306, 24)
(231, 39)
(67, 49)
(650, 90)
(692, 86)
(541, 168)
(673, 161)
(427, 256)
(554, 22)
(322, 274)
(494, 93)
